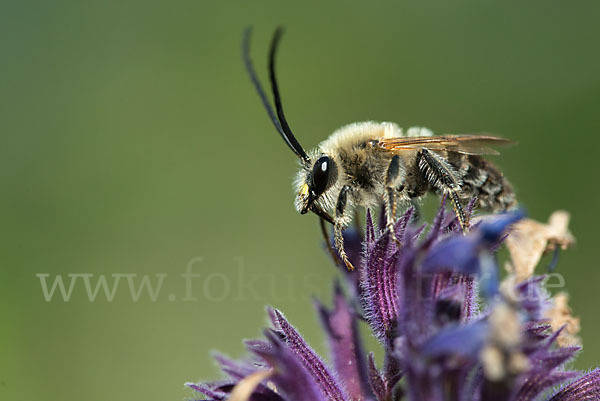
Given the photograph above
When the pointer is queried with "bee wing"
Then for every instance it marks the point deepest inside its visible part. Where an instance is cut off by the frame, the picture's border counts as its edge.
(465, 144)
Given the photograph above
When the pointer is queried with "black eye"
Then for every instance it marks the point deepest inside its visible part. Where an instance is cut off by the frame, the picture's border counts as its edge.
(323, 171)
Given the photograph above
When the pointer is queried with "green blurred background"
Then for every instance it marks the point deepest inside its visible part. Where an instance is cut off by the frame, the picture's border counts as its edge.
(132, 142)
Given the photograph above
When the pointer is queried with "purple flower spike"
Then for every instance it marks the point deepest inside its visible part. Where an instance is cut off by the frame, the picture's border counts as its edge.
(379, 285)
(346, 347)
(471, 254)
(464, 341)
(211, 390)
(438, 226)
(493, 230)
(311, 361)
(438, 341)
(586, 388)
(380, 277)
(459, 254)
(290, 375)
(540, 380)
(532, 297)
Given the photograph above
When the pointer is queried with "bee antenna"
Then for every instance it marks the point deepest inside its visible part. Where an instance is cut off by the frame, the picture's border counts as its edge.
(278, 120)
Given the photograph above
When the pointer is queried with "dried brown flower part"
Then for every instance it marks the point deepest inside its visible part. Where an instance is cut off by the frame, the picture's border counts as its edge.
(559, 315)
(530, 239)
(527, 242)
(502, 356)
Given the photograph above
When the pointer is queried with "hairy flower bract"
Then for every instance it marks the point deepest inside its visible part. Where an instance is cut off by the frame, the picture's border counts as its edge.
(448, 328)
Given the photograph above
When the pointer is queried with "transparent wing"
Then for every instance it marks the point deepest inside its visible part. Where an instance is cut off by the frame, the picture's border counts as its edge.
(466, 144)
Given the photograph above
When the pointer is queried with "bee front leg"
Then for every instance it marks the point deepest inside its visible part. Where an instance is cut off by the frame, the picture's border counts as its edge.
(332, 252)
(394, 184)
(341, 221)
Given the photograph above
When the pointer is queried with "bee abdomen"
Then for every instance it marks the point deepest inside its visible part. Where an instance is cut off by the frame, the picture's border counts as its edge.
(482, 179)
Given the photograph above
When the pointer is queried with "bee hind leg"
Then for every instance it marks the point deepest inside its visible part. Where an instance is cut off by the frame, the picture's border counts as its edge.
(394, 184)
(340, 222)
(440, 174)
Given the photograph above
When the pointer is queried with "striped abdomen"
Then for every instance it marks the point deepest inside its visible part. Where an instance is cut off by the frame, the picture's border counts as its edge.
(482, 179)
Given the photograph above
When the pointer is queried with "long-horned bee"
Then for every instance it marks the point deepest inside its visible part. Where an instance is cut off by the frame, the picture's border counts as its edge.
(371, 163)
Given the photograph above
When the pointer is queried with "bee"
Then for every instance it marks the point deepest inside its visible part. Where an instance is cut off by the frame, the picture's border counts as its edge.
(372, 163)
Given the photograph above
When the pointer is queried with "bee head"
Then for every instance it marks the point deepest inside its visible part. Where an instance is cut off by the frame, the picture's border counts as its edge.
(314, 178)
(313, 182)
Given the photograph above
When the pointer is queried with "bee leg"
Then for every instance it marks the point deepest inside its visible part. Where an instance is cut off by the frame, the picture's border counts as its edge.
(341, 222)
(330, 248)
(440, 174)
(393, 185)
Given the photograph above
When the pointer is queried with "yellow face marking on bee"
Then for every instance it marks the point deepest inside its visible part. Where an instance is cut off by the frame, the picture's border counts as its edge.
(303, 190)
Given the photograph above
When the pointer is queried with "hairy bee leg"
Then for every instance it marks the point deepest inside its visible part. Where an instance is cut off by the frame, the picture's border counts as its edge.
(392, 179)
(330, 248)
(440, 174)
(340, 223)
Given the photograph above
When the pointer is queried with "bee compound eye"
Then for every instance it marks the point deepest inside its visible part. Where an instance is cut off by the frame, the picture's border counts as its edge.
(321, 174)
